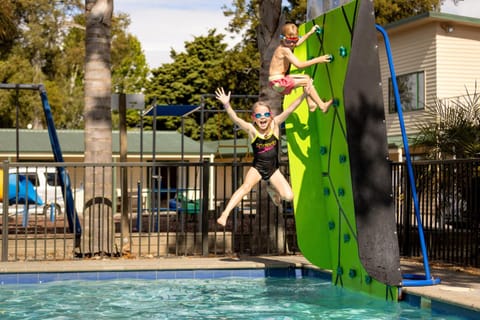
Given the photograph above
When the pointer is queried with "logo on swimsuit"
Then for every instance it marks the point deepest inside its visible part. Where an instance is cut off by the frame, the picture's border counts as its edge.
(264, 147)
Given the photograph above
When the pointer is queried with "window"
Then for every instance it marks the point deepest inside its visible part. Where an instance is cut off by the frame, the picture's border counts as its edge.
(53, 179)
(412, 92)
(32, 177)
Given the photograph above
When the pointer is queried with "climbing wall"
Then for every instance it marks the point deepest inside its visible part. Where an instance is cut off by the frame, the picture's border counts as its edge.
(339, 160)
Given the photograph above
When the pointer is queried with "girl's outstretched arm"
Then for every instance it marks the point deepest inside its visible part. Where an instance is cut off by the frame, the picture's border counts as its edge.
(225, 100)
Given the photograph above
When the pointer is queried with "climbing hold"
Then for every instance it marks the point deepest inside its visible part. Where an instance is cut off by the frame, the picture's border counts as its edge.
(346, 237)
(368, 279)
(323, 150)
(318, 30)
(343, 51)
(326, 191)
(331, 58)
(339, 270)
(341, 192)
(331, 225)
(336, 102)
(352, 273)
(342, 158)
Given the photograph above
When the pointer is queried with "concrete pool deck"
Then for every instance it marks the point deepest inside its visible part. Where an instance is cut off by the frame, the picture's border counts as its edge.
(458, 287)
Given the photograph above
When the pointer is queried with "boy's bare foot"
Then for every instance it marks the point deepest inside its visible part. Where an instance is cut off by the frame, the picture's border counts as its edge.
(276, 199)
(222, 221)
(326, 105)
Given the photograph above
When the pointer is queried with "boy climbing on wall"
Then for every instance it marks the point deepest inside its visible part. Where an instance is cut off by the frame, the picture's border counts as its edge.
(283, 57)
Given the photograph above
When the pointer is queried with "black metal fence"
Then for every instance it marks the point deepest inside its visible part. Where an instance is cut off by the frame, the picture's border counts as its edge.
(449, 202)
(170, 208)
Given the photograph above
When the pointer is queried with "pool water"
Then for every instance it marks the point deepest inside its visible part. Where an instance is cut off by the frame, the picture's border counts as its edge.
(217, 298)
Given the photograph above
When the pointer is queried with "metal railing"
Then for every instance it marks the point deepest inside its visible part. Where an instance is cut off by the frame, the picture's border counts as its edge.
(142, 209)
(170, 208)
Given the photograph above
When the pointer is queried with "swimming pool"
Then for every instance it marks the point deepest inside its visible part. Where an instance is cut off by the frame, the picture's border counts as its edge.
(199, 294)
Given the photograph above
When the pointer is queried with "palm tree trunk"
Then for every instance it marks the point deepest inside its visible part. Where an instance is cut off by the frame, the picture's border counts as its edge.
(98, 122)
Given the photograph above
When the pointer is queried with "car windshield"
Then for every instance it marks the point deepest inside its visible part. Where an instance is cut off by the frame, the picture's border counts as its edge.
(53, 179)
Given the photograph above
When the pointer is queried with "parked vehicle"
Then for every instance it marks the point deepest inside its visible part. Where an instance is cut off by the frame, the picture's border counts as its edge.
(46, 184)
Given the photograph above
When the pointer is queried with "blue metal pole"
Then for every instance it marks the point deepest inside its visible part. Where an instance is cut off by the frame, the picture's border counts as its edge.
(72, 217)
(408, 159)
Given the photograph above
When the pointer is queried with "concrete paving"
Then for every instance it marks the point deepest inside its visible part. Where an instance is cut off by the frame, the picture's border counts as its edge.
(458, 286)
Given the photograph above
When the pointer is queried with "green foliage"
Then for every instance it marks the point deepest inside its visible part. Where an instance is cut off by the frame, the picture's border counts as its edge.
(388, 11)
(246, 18)
(16, 69)
(455, 129)
(8, 27)
(129, 65)
(47, 46)
(193, 76)
(43, 41)
(192, 73)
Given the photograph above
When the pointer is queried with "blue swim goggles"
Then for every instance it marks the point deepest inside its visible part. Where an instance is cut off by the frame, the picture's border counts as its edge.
(259, 115)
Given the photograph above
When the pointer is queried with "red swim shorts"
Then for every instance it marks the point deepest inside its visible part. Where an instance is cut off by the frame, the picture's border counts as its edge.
(283, 85)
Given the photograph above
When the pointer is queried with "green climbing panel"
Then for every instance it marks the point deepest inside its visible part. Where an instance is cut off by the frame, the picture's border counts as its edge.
(324, 171)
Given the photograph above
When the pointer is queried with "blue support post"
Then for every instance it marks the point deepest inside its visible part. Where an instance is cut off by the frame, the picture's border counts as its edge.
(409, 280)
(72, 217)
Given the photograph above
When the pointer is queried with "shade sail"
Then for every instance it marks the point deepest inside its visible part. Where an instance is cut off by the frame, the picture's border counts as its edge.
(170, 110)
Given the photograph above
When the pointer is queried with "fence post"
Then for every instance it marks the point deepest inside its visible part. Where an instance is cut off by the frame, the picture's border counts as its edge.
(205, 201)
(5, 211)
(407, 243)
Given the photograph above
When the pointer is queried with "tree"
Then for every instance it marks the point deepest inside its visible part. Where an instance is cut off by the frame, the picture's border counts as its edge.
(33, 54)
(98, 121)
(8, 29)
(261, 22)
(47, 45)
(455, 131)
(129, 65)
(388, 11)
(69, 77)
(268, 36)
(204, 66)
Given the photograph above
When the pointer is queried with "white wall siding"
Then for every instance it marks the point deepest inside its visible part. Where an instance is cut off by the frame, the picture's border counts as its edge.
(413, 51)
(458, 61)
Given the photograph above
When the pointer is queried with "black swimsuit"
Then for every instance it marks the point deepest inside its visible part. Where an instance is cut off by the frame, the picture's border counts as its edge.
(265, 155)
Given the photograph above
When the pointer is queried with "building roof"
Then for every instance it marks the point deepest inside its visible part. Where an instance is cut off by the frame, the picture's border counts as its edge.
(229, 147)
(428, 17)
(72, 142)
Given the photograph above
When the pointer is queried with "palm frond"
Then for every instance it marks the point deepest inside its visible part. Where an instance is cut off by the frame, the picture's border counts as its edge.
(452, 127)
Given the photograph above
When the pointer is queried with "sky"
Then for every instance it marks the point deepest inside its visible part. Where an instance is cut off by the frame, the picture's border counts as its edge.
(161, 25)
(467, 8)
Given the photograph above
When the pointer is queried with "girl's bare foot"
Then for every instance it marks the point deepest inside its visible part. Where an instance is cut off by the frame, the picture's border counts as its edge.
(222, 220)
(276, 199)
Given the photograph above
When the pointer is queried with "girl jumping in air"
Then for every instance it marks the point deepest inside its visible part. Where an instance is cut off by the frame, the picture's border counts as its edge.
(264, 135)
